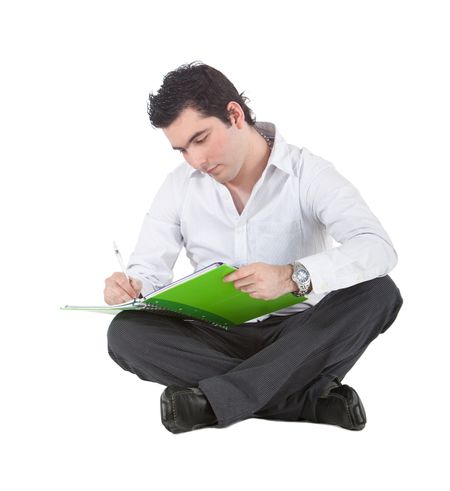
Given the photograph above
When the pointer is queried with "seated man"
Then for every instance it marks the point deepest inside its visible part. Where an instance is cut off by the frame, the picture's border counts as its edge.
(244, 196)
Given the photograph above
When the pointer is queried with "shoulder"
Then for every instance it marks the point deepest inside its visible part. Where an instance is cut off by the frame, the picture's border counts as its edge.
(316, 175)
(310, 166)
(175, 186)
(182, 172)
(297, 160)
(177, 178)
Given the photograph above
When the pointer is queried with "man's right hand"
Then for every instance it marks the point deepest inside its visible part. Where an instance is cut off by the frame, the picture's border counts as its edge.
(119, 290)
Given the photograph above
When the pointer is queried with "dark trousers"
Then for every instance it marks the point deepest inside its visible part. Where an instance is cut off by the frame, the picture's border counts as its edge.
(273, 369)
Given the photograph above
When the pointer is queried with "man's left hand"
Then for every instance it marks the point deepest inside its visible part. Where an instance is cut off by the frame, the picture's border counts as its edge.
(264, 281)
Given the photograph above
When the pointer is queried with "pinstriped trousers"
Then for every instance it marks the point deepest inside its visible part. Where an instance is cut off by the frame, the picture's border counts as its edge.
(272, 369)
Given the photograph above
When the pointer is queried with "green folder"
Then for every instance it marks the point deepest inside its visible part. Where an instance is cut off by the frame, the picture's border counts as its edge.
(203, 296)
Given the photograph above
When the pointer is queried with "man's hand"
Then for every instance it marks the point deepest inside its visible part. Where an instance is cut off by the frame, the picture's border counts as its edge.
(119, 290)
(264, 281)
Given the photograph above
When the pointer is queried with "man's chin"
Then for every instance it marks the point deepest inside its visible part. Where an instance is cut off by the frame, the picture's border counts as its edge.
(218, 174)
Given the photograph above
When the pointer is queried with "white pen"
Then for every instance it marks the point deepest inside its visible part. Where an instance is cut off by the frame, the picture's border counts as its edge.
(119, 258)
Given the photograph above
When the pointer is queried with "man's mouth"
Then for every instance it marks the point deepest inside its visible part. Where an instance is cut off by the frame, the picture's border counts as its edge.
(212, 169)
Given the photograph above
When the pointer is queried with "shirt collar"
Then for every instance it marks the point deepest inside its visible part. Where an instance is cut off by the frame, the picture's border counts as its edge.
(279, 156)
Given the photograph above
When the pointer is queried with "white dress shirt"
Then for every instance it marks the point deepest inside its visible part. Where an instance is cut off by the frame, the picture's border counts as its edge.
(299, 204)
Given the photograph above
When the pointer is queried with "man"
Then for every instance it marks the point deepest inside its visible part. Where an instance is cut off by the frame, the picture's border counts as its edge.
(245, 197)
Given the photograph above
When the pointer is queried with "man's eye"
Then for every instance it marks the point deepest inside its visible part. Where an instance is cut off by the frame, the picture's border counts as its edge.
(201, 141)
(198, 141)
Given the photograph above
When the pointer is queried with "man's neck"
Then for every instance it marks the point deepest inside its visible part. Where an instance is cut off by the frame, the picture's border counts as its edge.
(255, 163)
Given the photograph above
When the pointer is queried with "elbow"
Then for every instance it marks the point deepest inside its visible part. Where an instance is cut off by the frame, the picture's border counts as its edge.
(383, 256)
(390, 257)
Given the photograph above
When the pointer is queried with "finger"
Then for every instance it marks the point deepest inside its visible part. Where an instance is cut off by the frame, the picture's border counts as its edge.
(117, 295)
(126, 286)
(118, 282)
(108, 300)
(114, 299)
(242, 272)
(113, 292)
(246, 289)
(240, 284)
(255, 295)
(123, 298)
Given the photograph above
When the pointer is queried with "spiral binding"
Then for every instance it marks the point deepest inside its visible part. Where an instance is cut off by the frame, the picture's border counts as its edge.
(178, 315)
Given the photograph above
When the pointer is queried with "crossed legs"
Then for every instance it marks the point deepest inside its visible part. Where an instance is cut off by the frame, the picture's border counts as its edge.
(273, 369)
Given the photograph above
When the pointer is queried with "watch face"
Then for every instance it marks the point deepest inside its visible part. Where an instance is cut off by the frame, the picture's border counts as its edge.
(302, 275)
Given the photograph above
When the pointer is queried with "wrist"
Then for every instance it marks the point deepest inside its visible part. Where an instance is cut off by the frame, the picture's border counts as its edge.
(291, 285)
(301, 279)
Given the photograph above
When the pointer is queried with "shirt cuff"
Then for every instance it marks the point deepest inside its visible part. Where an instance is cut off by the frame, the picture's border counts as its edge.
(320, 267)
(147, 285)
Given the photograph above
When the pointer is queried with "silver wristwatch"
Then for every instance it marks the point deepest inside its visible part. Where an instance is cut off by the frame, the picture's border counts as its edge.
(301, 278)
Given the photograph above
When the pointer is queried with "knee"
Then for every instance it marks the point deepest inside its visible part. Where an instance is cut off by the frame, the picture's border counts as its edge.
(381, 288)
(118, 334)
(133, 331)
(396, 303)
(387, 291)
(387, 298)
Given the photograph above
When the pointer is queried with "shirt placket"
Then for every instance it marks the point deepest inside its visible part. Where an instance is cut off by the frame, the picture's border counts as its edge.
(240, 243)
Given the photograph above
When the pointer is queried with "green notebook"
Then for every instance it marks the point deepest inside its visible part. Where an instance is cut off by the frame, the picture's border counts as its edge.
(202, 296)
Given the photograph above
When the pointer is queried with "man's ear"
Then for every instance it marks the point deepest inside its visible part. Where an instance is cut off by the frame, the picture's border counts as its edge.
(235, 114)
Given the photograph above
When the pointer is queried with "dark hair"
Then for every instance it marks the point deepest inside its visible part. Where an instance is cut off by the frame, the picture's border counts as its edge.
(200, 87)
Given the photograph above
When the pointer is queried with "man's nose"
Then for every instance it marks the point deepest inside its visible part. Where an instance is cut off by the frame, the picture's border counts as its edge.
(199, 162)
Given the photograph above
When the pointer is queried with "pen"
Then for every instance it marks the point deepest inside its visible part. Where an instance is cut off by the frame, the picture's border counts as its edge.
(119, 258)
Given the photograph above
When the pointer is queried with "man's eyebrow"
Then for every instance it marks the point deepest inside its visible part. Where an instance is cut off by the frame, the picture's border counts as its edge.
(193, 137)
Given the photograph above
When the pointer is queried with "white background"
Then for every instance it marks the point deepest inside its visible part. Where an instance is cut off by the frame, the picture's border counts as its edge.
(362, 84)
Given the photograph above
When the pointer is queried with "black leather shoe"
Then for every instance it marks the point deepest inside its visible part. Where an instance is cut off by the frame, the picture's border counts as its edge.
(341, 406)
(185, 409)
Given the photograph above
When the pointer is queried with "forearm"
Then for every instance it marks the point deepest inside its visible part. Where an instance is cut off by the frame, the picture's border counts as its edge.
(360, 259)
(155, 253)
